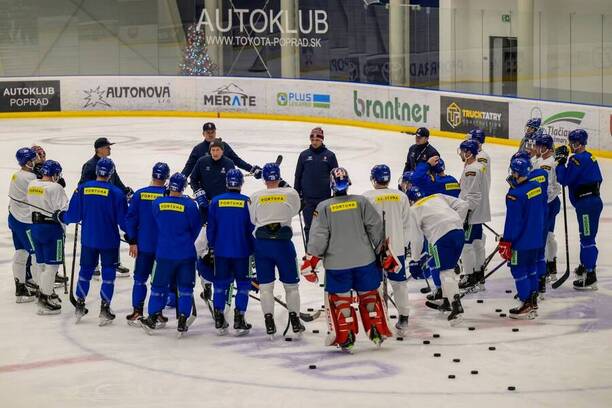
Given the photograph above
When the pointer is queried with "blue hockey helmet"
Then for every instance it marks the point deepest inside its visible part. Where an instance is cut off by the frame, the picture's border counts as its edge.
(177, 182)
(520, 166)
(414, 194)
(25, 155)
(234, 179)
(439, 167)
(477, 134)
(51, 168)
(579, 136)
(271, 172)
(521, 154)
(533, 123)
(161, 171)
(105, 167)
(407, 177)
(380, 174)
(470, 146)
(339, 179)
(546, 140)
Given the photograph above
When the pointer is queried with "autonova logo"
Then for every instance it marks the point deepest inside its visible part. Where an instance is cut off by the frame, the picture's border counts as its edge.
(230, 95)
(559, 125)
(393, 109)
(101, 96)
(303, 99)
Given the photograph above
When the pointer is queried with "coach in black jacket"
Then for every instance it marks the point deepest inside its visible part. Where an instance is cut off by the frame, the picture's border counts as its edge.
(420, 151)
(209, 131)
(312, 175)
(88, 172)
(209, 172)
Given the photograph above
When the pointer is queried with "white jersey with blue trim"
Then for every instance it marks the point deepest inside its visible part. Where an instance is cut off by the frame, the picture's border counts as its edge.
(549, 164)
(18, 190)
(48, 196)
(274, 205)
(483, 158)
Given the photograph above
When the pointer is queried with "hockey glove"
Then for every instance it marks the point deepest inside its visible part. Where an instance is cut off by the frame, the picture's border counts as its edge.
(415, 270)
(209, 258)
(283, 183)
(505, 250)
(308, 268)
(561, 155)
(131, 241)
(200, 198)
(58, 216)
(256, 170)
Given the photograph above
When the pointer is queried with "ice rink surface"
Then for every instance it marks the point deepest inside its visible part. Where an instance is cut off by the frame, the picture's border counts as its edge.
(561, 359)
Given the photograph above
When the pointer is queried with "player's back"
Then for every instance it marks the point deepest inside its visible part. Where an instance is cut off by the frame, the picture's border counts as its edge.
(140, 223)
(229, 225)
(178, 226)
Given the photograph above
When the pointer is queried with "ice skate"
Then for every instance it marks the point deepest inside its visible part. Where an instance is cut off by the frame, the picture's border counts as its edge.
(533, 299)
(456, 315)
(240, 325)
(270, 325)
(206, 294)
(376, 337)
(60, 280)
(587, 281)
(151, 323)
(96, 273)
(182, 326)
(134, 317)
(541, 287)
(435, 296)
(80, 310)
(46, 306)
(22, 293)
(122, 271)
(402, 325)
(297, 326)
(579, 271)
(347, 346)
(220, 324)
(470, 283)
(523, 312)
(551, 270)
(54, 297)
(441, 307)
(106, 315)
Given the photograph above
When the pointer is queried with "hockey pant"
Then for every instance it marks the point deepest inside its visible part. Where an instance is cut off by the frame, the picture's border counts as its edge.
(523, 270)
(167, 273)
(226, 271)
(551, 242)
(145, 261)
(109, 258)
(588, 211)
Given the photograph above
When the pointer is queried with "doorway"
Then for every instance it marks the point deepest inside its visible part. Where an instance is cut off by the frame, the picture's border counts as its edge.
(503, 65)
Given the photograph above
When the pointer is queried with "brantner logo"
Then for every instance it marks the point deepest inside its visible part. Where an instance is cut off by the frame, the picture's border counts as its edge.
(230, 95)
(101, 96)
(303, 99)
(392, 109)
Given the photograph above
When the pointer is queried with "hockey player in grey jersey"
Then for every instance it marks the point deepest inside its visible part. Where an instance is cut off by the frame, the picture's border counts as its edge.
(347, 233)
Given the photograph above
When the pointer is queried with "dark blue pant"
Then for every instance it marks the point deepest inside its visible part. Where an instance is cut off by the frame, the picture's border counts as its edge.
(142, 270)
(226, 271)
(310, 204)
(523, 270)
(109, 258)
(170, 272)
(588, 210)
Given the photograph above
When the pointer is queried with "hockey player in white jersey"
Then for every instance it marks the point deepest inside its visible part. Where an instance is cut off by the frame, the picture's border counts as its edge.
(394, 208)
(545, 149)
(439, 218)
(474, 190)
(271, 211)
(20, 223)
(46, 197)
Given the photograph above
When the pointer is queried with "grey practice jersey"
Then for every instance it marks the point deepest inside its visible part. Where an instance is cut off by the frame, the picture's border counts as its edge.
(475, 191)
(345, 230)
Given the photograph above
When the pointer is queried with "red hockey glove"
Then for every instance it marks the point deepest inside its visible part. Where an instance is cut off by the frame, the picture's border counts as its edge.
(505, 250)
(308, 268)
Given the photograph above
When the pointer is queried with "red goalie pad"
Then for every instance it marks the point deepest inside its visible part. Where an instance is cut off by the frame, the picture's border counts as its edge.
(338, 325)
(377, 317)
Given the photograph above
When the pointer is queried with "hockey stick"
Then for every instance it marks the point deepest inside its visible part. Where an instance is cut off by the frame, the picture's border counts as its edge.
(384, 272)
(74, 247)
(303, 232)
(31, 205)
(64, 265)
(304, 316)
(492, 230)
(278, 161)
(502, 263)
(566, 275)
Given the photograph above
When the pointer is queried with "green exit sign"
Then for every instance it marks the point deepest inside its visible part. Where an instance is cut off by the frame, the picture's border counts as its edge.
(506, 18)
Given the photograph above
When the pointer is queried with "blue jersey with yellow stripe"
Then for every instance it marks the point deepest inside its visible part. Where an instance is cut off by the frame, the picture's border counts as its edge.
(447, 185)
(524, 216)
(139, 221)
(229, 229)
(178, 226)
(100, 207)
(582, 170)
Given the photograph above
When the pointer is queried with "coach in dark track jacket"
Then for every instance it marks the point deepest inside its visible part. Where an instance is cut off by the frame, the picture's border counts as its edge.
(420, 151)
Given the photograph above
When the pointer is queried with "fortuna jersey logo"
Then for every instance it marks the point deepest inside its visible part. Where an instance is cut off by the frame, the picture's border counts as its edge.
(36, 191)
(272, 199)
(539, 179)
(150, 196)
(231, 203)
(534, 193)
(96, 191)
(171, 207)
(348, 205)
(387, 197)
(452, 186)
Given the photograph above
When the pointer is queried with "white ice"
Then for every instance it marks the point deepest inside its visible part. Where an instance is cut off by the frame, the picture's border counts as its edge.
(563, 358)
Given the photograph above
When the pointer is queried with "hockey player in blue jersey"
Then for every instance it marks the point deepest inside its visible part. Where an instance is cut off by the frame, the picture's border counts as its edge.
(229, 239)
(101, 208)
(178, 225)
(142, 237)
(522, 235)
(582, 176)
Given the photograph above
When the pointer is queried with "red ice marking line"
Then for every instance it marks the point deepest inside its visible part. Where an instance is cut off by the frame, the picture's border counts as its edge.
(605, 219)
(51, 363)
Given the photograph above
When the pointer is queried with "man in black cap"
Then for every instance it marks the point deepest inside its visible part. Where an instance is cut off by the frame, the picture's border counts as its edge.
(209, 131)
(102, 148)
(420, 151)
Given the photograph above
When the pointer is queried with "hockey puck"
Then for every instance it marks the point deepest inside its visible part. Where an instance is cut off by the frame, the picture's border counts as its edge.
(508, 291)
(451, 376)
(474, 372)
(315, 331)
(425, 341)
(312, 366)
(436, 335)
(498, 310)
(310, 309)
(425, 290)
(437, 355)
(479, 301)
(456, 360)
(471, 328)
(492, 348)
(321, 285)
(392, 317)
(515, 329)
(502, 315)
(288, 339)
(511, 388)
(399, 338)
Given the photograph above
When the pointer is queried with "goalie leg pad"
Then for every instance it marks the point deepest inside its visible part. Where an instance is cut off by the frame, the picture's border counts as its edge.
(373, 312)
(341, 318)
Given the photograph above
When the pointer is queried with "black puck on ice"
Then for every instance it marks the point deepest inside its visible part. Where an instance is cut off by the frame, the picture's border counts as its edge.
(479, 301)
(474, 372)
(456, 360)
(437, 355)
(492, 348)
(508, 291)
(511, 388)
(392, 317)
(310, 309)
(425, 341)
(321, 285)
(471, 328)
(498, 310)
(451, 376)
(315, 331)
(312, 366)
(288, 339)
(399, 338)
(502, 315)
(515, 329)
(436, 335)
